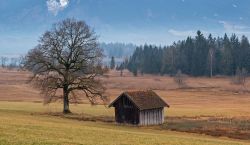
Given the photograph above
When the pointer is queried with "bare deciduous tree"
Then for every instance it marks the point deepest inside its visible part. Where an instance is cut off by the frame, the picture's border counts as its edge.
(180, 79)
(3, 61)
(13, 63)
(240, 77)
(211, 57)
(67, 58)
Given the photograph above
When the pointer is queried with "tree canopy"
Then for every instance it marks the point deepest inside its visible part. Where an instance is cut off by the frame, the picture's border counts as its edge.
(67, 58)
(198, 56)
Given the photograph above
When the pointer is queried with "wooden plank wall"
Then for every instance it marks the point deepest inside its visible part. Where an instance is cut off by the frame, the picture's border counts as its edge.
(151, 117)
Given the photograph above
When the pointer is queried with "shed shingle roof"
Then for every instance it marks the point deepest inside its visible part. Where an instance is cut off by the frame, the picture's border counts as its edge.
(144, 99)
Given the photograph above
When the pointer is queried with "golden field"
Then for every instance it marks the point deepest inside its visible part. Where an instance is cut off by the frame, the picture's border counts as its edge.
(210, 104)
(204, 97)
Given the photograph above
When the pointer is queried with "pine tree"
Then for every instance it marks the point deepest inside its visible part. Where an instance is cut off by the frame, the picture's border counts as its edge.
(112, 62)
(211, 54)
(199, 56)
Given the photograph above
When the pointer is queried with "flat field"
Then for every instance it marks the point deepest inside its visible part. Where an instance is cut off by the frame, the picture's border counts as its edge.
(23, 123)
(209, 111)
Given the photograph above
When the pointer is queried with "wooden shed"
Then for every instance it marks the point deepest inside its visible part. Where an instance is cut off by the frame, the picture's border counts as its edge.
(139, 108)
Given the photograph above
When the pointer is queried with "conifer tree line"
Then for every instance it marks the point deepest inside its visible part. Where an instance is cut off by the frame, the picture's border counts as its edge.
(198, 56)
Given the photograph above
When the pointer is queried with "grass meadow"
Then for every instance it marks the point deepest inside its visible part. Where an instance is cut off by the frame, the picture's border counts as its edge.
(209, 111)
(25, 124)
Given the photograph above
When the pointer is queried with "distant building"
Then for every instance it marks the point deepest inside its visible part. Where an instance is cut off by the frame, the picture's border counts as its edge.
(139, 108)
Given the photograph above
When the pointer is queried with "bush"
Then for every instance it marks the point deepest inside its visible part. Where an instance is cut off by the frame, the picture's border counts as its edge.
(180, 79)
(240, 77)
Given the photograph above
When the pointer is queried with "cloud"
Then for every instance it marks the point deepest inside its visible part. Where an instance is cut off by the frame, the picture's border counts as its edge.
(182, 33)
(64, 3)
(54, 6)
(233, 28)
(234, 5)
(191, 33)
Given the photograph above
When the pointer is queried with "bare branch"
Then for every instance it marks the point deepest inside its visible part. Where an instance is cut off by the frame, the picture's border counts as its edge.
(67, 58)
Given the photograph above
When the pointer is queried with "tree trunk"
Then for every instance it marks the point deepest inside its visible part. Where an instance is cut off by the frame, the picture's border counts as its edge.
(211, 52)
(211, 67)
(66, 100)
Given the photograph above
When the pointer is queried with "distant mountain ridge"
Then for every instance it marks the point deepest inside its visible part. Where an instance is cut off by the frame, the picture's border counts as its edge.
(118, 50)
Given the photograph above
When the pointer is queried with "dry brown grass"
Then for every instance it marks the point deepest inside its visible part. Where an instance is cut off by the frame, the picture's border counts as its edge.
(13, 87)
(238, 128)
(207, 106)
(204, 96)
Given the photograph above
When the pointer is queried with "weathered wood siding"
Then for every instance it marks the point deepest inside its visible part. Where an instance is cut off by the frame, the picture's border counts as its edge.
(151, 117)
(126, 112)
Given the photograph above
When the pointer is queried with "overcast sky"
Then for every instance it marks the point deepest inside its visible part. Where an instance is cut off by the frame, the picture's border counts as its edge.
(158, 22)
